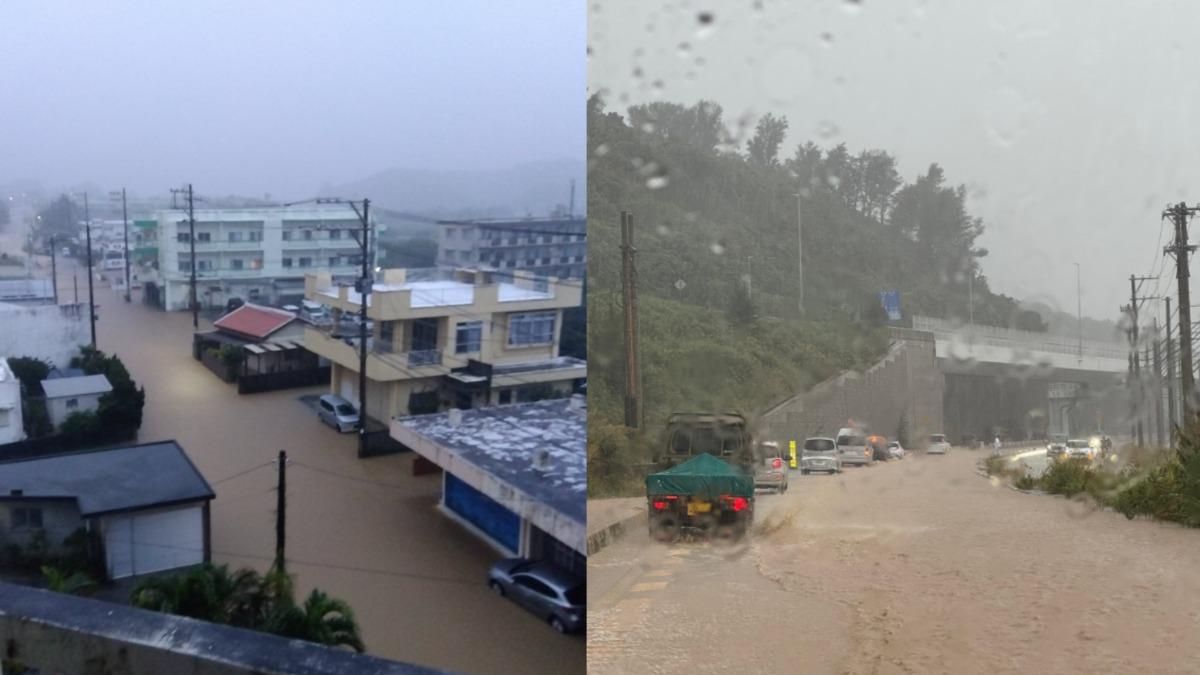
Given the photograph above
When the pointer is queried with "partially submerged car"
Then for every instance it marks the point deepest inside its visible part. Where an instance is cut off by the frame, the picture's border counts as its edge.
(937, 445)
(896, 450)
(852, 447)
(550, 593)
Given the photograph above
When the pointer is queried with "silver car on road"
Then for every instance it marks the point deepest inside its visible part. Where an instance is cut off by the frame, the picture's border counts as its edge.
(820, 454)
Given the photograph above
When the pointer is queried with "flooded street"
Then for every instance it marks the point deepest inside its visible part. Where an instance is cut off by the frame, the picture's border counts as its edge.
(919, 566)
(362, 530)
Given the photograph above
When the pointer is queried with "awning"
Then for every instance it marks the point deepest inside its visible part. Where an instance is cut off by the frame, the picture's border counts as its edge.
(255, 349)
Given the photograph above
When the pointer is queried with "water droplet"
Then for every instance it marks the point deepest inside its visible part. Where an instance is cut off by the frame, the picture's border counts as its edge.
(662, 230)
(827, 130)
(690, 216)
(684, 50)
(705, 18)
(637, 162)
(657, 182)
(658, 87)
(638, 73)
(680, 285)
(833, 180)
(852, 6)
(827, 39)
(648, 127)
(717, 249)
(601, 150)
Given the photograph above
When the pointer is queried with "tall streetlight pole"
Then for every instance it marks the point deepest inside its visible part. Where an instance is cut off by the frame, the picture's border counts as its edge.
(1079, 310)
(91, 294)
(125, 218)
(364, 286)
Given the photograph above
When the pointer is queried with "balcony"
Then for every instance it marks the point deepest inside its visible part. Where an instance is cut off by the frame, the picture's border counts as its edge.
(384, 362)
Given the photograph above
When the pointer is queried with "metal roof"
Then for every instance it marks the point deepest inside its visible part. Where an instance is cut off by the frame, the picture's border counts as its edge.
(60, 387)
(103, 481)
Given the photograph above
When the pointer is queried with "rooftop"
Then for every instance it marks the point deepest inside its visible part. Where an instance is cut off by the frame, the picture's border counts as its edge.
(504, 441)
(556, 363)
(254, 321)
(59, 387)
(442, 293)
(104, 481)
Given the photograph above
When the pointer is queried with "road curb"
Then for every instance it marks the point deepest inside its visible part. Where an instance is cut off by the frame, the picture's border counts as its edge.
(597, 541)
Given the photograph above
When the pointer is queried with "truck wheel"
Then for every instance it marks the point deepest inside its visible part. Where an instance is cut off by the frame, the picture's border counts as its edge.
(664, 529)
(705, 524)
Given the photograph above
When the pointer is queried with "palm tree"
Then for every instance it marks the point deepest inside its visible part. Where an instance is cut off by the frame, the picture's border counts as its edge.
(321, 619)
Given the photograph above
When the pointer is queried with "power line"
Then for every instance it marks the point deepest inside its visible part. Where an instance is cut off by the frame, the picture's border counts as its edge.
(242, 473)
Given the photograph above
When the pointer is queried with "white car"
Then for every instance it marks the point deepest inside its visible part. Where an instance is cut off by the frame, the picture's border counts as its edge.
(1080, 448)
(938, 445)
(896, 450)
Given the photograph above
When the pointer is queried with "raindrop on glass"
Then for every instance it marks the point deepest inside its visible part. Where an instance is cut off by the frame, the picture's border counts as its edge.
(827, 39)
(717, 249)
(827, 129)
(601, 150)
(680, 285)
(684, 50)
(852, 6)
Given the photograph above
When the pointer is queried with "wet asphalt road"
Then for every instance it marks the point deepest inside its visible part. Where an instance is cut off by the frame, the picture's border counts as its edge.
(363, 530)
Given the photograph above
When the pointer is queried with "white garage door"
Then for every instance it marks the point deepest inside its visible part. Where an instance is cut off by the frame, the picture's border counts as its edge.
(140, 543)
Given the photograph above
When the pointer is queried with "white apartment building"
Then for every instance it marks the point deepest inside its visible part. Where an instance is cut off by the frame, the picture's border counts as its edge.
(11, 425)
(256, 254)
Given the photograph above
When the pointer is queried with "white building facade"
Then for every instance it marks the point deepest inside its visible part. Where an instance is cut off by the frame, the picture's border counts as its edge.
(52, 333)
(12, 428)
(257, 254)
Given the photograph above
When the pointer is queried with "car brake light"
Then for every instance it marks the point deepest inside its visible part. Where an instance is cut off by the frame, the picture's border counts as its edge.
(778, 463)
(736, 503)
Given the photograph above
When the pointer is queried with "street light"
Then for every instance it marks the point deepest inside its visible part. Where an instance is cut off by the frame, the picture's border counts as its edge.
(363, 285)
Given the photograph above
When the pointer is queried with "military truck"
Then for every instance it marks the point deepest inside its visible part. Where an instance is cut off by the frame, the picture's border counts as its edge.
(706, 486)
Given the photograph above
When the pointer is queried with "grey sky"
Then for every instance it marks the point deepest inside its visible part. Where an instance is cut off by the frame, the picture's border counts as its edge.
(282, 97)
(1071, 122)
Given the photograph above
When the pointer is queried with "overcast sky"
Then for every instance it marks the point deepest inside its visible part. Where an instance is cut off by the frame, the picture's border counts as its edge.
(282, 97)
(1072, 122)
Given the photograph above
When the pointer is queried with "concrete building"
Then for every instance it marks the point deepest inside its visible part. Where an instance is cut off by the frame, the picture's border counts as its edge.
(254, 254)
(52, 333)
(554, 247)
(12, 426)
(515, 475)
(440, 339)
(148, 504)
(27, 291)
(66, 396)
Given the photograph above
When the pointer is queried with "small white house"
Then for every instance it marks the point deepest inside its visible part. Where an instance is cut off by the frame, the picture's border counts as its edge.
(12, 429)
(68, 395)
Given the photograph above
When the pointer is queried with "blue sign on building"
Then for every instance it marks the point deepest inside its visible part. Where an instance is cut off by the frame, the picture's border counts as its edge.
(891, 304)
(483, 512)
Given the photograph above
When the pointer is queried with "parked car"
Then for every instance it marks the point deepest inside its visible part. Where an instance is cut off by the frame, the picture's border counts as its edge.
(314, 312)
(820, 454)
(772, 469)
(937, 445)
(337, 412)
(550, 593)
(1056, 439)
(852, 447)
(896, 450)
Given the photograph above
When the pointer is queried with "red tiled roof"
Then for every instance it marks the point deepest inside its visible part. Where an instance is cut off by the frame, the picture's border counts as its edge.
(254, 321)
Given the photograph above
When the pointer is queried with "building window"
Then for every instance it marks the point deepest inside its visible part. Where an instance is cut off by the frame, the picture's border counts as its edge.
(4, 417)
(512, 241)
(287, 262)
(253, 293)
(236, 263)
(335, 234)
(545, 261)
(505, 396)
(578, 258)
(450, 232)
(29, 518)
(203, 236)
(72, 403)
(535, 328)
(333, 261)
(468, 337)
(307, 234)
(204, 264)
(256, 264)
(564, 260)
(182, 237)
(255, 236)
(287, 235)
(306, 262)
(235, 236)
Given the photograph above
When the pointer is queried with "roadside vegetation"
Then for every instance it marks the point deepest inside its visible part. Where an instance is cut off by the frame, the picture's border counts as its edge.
(1163, 485)
(720, 322)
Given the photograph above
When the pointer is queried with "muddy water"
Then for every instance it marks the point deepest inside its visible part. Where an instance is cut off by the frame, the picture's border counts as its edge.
(362, 530)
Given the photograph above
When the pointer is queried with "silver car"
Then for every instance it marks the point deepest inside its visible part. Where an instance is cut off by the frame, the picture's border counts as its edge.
(552, 594)
(820, 454)
(337, 412)
(938, 445)
(772, 472)
(853, 449)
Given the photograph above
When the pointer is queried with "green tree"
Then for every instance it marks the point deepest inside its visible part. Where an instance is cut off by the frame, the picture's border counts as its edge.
(768, 136)
(74, 583)
(58, 218)
(31, 372)
(321, 619)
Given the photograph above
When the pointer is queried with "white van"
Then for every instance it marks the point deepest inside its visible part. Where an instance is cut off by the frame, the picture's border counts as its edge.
(314, 312)
(852, 446)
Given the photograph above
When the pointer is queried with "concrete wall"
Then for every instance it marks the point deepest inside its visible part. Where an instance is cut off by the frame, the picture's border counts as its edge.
(12, 427)
(904, 384)
(50, 332)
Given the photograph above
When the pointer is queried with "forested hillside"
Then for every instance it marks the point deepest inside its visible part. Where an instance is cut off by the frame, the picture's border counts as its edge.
(716, 239)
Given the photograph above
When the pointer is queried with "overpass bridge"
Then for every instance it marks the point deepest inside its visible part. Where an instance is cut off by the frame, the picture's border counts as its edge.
(1021, 380)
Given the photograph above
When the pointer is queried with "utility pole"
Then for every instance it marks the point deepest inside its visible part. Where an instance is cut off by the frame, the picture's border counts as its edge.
(1139, 391)
(1157, 384)
(633, 403)
(75, 281)
(366, 285)
(571, 207)
(281, 510)
(1179, 215)
(192, 244)
(54, 268)
(125, 217)
(1170, 379)
(800, 251)
(91, 295)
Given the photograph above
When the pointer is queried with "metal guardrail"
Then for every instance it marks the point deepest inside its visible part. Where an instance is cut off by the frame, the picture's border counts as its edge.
(1015, 339)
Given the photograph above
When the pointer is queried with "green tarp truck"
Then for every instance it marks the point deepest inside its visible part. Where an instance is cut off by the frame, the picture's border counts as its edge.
(704, 495)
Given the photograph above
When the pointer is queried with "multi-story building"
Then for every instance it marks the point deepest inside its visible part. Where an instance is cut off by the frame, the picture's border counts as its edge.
(554, 246)
(441, 339)
(254, 254)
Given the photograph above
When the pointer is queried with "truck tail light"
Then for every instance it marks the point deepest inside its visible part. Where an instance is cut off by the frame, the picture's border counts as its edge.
(659, 504)
(778, 463)
(736, 503)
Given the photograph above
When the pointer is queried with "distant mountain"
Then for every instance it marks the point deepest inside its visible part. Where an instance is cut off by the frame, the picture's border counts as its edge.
(1067, 324)
(527, 189)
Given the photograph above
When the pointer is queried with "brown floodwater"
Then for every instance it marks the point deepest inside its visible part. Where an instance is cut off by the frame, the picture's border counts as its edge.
(365, 531)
